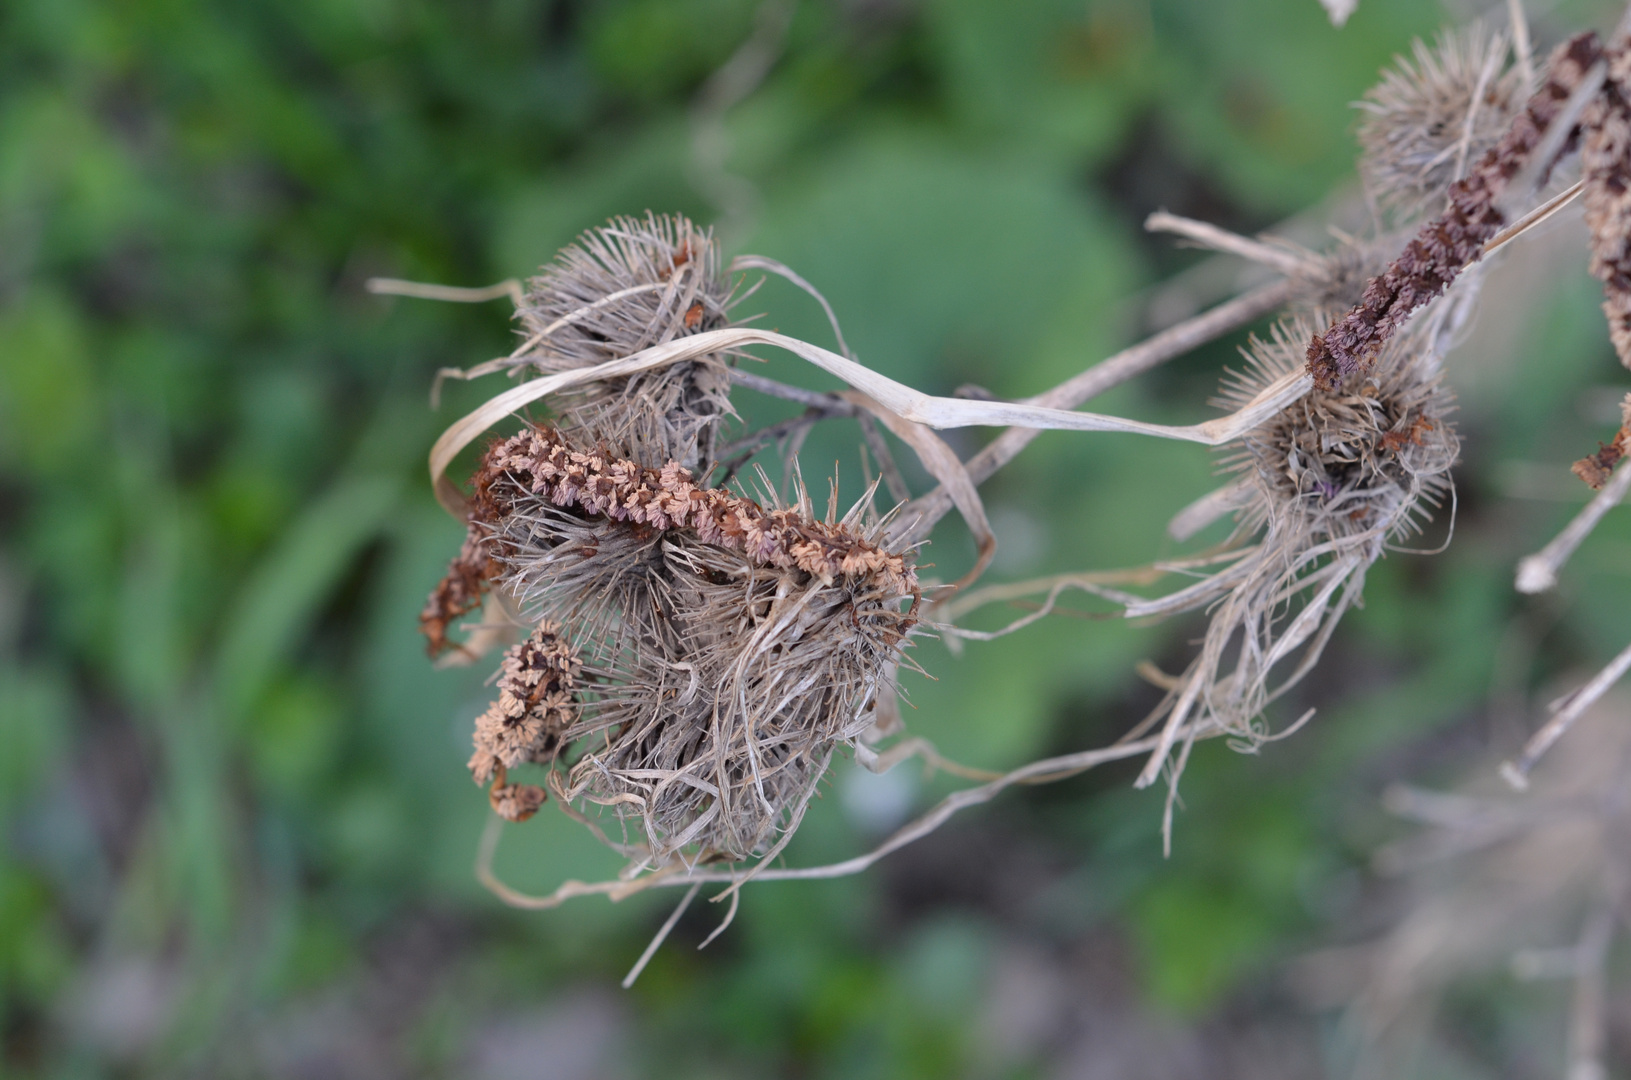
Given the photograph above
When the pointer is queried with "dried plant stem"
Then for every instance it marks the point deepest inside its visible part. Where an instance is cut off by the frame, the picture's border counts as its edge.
(1521, 47)
(900, 400)
(1538, 572)
(1492, 63)
(1111, 372)
(781, 270)
(815, 399)
(1533, 218)
(1210, 236)
(1586, 1015)
(662, 936)
(451, 293)
(893, 481)
(1574, 706)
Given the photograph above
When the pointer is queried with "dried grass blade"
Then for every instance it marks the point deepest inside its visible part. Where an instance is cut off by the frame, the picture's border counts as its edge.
(942, 463)
(450, 293)
(899, 399)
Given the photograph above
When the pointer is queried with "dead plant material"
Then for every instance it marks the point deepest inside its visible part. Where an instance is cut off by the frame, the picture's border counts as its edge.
(1455, 239)
(514, 802)
(1325, 487)
(727, 649)
(1432, 113)
(623, 287)
(535, 705)
(1605, 160)
(458, 593)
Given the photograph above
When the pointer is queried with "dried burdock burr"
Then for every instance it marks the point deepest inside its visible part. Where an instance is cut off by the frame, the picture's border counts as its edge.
(667, 280)
(1432, 114)
(1444, 246)
(620, 288)
(1321, 491)
(703, 656)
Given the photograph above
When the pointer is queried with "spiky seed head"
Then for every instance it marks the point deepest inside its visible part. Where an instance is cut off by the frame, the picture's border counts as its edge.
(620, 288)
(1414, 133)
(1367, 459)
(704, 655)
(1330, 483)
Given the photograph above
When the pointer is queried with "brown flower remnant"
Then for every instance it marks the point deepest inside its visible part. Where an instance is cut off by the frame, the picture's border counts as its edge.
(1452, 241)
(534, 706)
(457, 594)
(623, 491)
(515, 802)
(1595, 469)
(1605, 160)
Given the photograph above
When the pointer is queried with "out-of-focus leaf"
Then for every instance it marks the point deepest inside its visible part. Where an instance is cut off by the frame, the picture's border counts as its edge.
(286, 592)
(48, 400)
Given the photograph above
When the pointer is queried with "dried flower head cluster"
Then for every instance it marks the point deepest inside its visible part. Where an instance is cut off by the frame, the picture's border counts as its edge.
(1432, 113)
(627, 285)
(1443, 247)
(697, 657)
(726, 649)
(1323, 490)
(535, 707)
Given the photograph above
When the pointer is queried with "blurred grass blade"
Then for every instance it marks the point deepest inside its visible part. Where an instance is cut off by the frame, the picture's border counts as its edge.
(286, 592)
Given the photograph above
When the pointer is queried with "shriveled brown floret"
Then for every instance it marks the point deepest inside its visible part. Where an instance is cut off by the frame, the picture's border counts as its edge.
(534, 707)
(458, 593)
(669, 498)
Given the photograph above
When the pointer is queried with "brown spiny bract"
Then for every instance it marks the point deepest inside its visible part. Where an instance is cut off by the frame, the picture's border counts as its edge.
(1450, 242)
(1605, 160)
(535, 705)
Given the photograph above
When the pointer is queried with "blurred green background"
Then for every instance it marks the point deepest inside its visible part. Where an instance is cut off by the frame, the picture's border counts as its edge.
(237, 828)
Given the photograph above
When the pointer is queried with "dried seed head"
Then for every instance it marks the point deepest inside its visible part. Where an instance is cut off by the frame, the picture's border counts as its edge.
(621, 288)
(727, 649)
(1455, 239)
(1346, 462)
(1327, 486)
(1415, 138)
